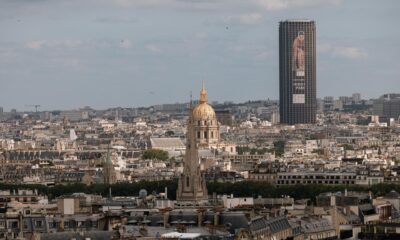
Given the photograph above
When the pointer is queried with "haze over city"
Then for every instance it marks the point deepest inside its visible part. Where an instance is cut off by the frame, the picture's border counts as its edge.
(70, 54)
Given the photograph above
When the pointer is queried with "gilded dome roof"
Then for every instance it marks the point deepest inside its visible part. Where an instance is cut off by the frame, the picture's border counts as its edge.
(203, 110)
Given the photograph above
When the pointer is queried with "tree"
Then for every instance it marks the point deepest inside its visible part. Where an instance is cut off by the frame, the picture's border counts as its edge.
(239, 189)
(155, 154)
(279, 147)
(169, 133)
(319, 151)
(242, 149)
(347, 146)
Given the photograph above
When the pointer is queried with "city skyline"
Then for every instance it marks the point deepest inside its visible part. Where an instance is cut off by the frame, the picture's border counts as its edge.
(32, 107)
(124, 53)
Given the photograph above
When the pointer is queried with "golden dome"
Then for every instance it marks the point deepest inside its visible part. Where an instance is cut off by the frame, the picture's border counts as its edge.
(203, 110)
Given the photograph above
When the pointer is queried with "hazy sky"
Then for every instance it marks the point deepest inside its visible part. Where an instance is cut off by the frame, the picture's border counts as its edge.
(66, 54)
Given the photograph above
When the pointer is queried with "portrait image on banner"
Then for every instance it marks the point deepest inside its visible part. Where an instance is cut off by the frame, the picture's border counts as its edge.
(298, 68)
(298, 57)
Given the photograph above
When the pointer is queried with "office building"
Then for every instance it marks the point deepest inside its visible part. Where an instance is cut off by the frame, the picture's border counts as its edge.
(224, 117)
(297, 72)
(356, 97)
(387, 106)
(74, 115)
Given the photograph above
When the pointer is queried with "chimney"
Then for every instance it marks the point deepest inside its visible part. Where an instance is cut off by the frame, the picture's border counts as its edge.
(216, 218)
(166, 218)
(199, 218)
(62, 223)
(21, 225)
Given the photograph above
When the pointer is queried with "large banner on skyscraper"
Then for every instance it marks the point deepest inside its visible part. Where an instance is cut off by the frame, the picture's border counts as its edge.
(298, 68)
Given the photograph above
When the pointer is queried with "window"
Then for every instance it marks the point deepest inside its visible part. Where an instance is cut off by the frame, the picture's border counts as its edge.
(38, 224)
(199, 123)
(205, 134)
(187, 181)
(212, 134)
(198, 134)
(13, 224)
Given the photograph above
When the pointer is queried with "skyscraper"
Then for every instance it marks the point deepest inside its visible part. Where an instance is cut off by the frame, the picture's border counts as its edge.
(297, 72)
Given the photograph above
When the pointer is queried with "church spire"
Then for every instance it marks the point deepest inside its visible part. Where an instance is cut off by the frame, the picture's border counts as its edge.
(203, 94)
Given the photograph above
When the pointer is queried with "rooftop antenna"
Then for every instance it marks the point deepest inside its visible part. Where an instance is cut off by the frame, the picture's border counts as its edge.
(191, 100)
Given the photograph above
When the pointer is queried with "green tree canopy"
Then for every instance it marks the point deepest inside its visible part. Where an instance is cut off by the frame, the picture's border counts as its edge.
(347, 146)
(239, 189)
(155, 154)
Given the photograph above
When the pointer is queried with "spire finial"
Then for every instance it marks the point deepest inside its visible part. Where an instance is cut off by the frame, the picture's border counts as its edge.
(203, 94)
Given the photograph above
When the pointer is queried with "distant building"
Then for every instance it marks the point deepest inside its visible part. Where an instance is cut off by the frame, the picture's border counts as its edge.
(176, 107)
(297, 72)
(275, 117)
(356, 97)
(224, 117)
(388, 106)
(346, 100)
(13, 113)
(328, 103)
(337, 105)
(74, 115)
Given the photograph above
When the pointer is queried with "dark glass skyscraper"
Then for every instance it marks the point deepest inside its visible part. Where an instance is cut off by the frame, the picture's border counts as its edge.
(297, 72)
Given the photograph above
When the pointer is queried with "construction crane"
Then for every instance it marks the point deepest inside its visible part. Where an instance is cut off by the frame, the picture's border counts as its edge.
(36, 106)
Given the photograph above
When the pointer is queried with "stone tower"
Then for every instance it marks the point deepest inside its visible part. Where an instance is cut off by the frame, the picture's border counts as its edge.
(109, 174)
(191, 185)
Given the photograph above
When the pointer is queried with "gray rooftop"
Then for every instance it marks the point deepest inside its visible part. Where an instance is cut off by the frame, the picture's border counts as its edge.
(167, 143)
